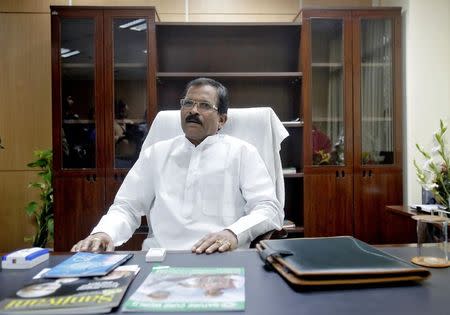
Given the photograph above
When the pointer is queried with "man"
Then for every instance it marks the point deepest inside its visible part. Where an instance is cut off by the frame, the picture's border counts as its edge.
(207, 192)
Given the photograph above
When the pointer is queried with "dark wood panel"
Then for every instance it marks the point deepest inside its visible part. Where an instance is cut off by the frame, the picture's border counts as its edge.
(247, 75)
(293, 205)
(227, 49)
(79, 205)
(292, 149)
(283, 95)
(398, 227)
(328, 204)
(373, 191)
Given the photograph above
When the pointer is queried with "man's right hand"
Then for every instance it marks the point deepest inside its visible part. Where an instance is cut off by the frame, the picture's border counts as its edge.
(98, 242)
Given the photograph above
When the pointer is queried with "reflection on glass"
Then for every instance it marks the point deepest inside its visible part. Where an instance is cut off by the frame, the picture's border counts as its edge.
(327, 92)
(77, 93)
(130, 89)
(376, 92)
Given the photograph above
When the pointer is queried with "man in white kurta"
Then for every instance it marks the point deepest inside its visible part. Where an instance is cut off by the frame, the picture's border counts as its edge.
(205, 191)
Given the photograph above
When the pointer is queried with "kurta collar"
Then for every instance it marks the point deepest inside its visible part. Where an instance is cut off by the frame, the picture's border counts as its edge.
(209, 140)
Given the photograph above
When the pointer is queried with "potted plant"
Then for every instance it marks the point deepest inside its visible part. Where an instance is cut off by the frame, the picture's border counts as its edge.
(42, 210)
(434, 176)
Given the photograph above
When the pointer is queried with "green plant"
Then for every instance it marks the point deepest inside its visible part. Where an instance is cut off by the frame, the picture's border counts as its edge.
(434, 176)
(42, 210)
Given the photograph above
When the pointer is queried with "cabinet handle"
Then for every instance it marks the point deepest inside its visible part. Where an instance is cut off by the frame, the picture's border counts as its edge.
(89, 178)
(337, 174)
(116, 178)
(370, 173)
(94, 178)
(364, 174)
(343, 173)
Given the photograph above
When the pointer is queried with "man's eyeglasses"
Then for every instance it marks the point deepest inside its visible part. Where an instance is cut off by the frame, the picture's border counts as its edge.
(202, 106)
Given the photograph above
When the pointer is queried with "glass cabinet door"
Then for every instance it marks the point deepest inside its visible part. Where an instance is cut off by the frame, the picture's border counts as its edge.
(376, 96)
(130, 99)
(327, 91)
(78, 134)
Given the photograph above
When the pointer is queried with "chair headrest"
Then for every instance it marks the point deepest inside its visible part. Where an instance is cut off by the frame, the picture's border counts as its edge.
(259, 126)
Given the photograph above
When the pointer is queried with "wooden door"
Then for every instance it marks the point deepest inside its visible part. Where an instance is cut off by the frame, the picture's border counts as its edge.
(78, 129)
(328, 133)
(78, 200)
(377, 106)
(373, 190)
(329, 210)
(130, 96)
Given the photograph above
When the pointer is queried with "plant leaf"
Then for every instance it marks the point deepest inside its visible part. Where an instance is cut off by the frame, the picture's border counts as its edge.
(31, 208)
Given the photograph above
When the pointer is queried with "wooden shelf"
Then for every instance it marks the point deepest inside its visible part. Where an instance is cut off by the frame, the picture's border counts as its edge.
(297, 229)
(293, 175)
(130, 65)
(256, 75)
(328, 119)
(269, 24)
(293, 124)
(131, 121)
(76, 65)
(376, 119)
(376, 64)
(78, 121)
(326, 64)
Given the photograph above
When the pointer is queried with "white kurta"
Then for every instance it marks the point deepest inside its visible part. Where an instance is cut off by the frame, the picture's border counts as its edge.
(191, 191)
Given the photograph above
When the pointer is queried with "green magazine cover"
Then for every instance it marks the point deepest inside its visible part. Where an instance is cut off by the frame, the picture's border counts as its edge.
(177, 289)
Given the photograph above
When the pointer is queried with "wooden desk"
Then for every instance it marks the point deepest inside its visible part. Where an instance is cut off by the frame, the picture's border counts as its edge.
(398, 227)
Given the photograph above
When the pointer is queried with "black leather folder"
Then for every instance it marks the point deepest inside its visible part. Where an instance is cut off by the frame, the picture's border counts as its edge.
(335, 261)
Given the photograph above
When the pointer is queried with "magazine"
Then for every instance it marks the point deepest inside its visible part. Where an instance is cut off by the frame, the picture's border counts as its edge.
(168, 289)
(84, 264)
(71, 295)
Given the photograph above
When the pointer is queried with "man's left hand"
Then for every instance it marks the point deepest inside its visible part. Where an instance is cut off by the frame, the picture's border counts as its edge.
(221, 241)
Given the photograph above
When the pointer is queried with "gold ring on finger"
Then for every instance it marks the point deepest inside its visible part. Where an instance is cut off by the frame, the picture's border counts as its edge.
(219, 242)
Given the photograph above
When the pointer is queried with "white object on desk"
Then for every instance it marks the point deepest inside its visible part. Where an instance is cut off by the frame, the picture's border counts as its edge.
(155, 254)
(25, 258)
(427, 208)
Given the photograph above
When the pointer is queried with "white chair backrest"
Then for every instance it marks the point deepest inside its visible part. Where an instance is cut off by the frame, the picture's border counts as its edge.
(259, 126)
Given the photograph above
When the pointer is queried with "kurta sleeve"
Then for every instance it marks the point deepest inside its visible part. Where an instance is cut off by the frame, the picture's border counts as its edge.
(132, 201)
(263, 211)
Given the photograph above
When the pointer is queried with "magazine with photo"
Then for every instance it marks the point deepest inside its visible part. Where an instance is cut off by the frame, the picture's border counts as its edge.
(84, 264)
(71, 295)
(176, 289)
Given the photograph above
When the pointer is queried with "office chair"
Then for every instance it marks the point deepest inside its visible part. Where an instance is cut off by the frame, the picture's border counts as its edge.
(259, 126)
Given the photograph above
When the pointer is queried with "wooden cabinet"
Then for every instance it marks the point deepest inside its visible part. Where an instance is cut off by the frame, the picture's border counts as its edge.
(330, 212)
(104, 93)
(352, 106)
(114, 68)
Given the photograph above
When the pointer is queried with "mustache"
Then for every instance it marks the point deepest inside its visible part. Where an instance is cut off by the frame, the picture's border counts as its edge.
(193, 118)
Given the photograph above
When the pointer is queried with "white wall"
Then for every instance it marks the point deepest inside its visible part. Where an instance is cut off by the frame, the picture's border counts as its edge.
(426, 80)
